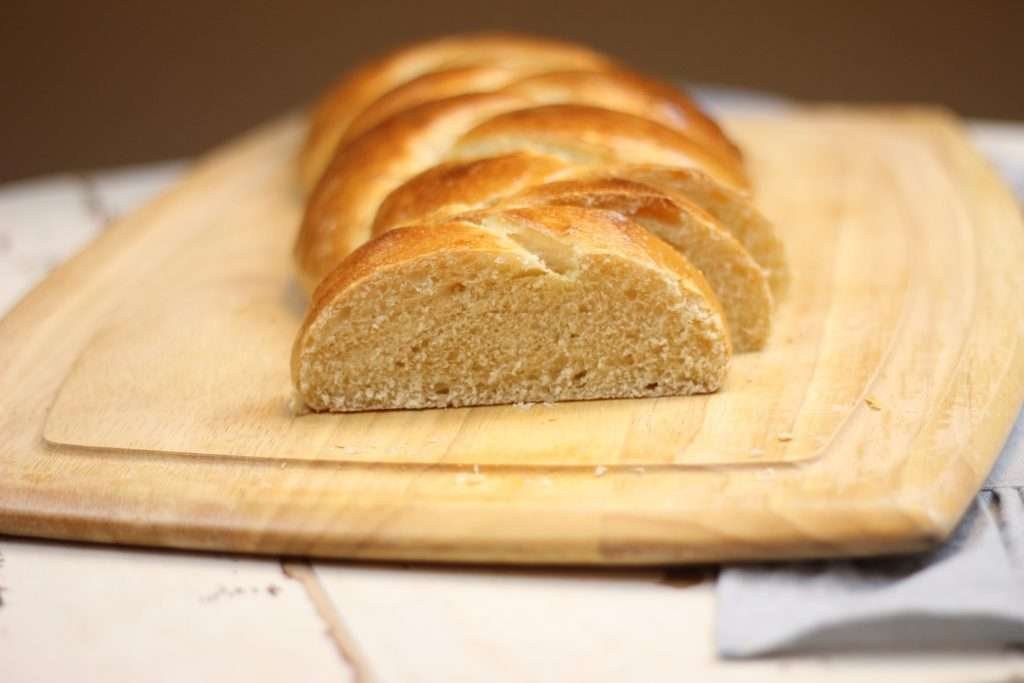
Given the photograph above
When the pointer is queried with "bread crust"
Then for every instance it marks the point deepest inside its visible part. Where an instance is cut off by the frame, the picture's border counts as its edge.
(731, 207)
(455, 186)
(737, 281)
(593, 135)
(620, 89)
(341, 210)
(613, 88)
(356, 90)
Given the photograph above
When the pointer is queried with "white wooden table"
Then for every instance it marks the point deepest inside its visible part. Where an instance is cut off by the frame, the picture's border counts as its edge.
(89, 613)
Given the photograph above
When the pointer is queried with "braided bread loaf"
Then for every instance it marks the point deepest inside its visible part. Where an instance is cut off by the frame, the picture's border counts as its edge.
(499, 219)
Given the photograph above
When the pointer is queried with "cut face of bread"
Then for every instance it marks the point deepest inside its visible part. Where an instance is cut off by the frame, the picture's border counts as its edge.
(519, 305)
(730, 207)
(454, 187)
(736, 279)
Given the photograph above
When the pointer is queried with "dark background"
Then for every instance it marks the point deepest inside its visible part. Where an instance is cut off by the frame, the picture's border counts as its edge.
(88, 84)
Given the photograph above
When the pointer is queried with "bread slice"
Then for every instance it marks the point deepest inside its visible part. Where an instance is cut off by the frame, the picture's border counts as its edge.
(454, 187)
(738, 281)
(506, 306)
(740, 285)
(731, 207)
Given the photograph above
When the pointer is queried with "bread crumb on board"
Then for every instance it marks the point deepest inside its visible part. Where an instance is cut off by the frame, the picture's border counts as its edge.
(469, 478)
(297, 405)
(784, 436)
(600, 471)
(873, 403)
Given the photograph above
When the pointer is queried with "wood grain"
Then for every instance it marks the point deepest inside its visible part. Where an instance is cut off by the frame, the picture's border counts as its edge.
(197, 361)
(904, 248)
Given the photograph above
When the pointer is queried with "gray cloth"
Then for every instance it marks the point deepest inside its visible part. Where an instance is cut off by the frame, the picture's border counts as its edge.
(967, 593)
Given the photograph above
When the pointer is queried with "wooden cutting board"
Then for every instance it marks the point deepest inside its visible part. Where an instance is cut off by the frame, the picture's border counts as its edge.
(146, 384)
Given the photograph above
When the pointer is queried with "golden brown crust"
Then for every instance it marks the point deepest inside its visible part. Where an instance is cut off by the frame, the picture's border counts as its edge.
(592, 135)
(341, 209)
(622, 90)
(730, 207)
(402, 245)
(361, 87)
(610, 232)
(456, 186)
(739, 283)
(431, 87)
(616, 89)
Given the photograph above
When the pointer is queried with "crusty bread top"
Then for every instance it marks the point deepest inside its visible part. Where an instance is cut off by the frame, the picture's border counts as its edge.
(623, 90)
(454, 187)
(598, 231)
(341, 210)
(431, 87)
(629, 198)
(730, 206)
(524, 179)
(361, 87)
(458, 186)
(616, 89)
(592, 135)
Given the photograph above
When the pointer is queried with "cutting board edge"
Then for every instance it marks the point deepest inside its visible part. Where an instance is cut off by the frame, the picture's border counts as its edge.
(63, 522)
